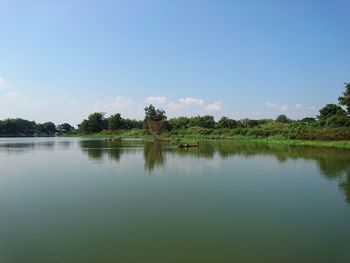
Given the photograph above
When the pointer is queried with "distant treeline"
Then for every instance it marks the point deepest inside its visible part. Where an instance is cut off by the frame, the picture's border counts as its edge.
(96, 123)
(332, 123)
(21, 128)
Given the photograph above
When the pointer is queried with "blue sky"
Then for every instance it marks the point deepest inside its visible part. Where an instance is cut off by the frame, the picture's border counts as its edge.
(61, 60)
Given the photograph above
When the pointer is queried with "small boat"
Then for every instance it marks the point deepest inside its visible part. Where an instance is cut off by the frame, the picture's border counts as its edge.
(185, 145)
(113, 139)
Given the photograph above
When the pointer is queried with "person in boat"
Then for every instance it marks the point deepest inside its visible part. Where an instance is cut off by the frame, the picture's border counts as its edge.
(185, 145)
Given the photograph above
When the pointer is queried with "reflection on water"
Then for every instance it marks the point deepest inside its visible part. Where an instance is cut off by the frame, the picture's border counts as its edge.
(98, 149)
(154, 155)
(333, 163)
(81, 200)
(15, 146)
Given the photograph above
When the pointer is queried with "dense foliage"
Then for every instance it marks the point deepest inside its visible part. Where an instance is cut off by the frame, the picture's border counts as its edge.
(97, 122)
(344, 100)
(153, 114)
(65, 128)
(20, 127)
(332, 123)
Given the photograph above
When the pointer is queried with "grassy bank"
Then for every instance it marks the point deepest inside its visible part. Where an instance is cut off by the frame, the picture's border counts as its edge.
(193, 137)
(118, 134)
(268, 140)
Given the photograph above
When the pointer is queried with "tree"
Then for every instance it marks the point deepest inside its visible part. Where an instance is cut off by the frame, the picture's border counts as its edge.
(338, 120)
(228, 123)
(178, 123)
(65, 127)
(247, 123)
(330, 110)
(308, 120)
(206, 121)
(115, 122)
(282, 119)
(17, 127)
(47, 128)
(345, 99)
(95, 123)
(153, 114)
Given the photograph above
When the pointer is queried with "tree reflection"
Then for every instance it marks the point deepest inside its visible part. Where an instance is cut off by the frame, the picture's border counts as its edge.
(154, 155)
(17, 147)
(333, 163)
(97, 149)
(65, 144)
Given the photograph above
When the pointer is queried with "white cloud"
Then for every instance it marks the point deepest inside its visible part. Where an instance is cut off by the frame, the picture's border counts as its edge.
(4, 85)
(156, 100)
(284, 107)
(121, 103)
(13, 98)
(176, 106)
(257, 113)
(186, 106)
(311, 108)
(10, 98)
(271, 105)
(215, 106)
(274, 105)
(14, 104)
(110, 105)
(73, 104)
(191, 101)
(298, 106)
(175, 109)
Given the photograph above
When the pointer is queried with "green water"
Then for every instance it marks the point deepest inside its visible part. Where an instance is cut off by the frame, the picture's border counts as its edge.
(73, 200)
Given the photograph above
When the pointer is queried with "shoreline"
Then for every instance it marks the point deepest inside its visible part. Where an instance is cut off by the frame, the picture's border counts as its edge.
(192, 139)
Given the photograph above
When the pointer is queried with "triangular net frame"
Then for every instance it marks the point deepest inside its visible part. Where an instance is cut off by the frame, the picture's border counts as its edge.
(155, 127)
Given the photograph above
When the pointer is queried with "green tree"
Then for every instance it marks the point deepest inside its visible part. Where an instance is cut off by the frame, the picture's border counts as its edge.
(151, 113)
(178, 123)
(308, 120)
(228, 123)
(206, 121)
(65, 127)
(338, 120)
(115, 122)
(282, 119)
(330, 110)
(345, 99)
(17, 127)
(247, 123)
(94, 123)
(49, 128)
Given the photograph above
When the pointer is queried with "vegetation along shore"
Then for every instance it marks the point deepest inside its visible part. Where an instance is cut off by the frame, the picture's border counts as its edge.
(331, 128)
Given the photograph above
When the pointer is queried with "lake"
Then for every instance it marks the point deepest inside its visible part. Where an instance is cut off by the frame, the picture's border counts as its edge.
(80, 200)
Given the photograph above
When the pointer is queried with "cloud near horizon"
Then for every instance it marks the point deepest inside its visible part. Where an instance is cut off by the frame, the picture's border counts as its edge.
(14, 104)
(191, 101)
(112, 104)
(292, 111)
(189, 106)
(213, 107)
(273, 105)
(3, 84)
(186, 106)
(157, 100)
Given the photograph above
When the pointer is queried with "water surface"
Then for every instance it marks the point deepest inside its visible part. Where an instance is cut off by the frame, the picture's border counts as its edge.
(75, 200)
